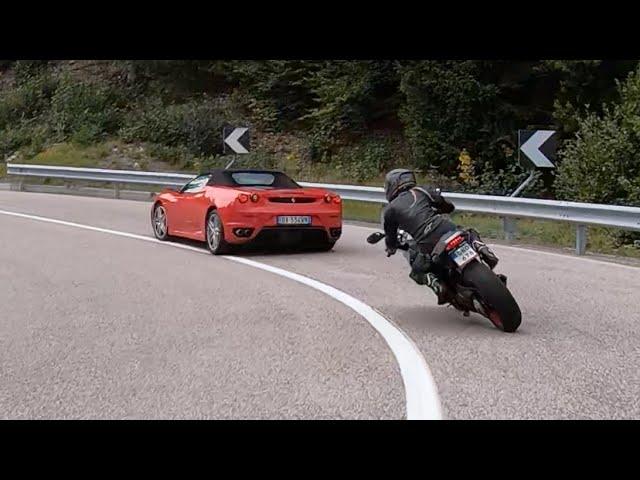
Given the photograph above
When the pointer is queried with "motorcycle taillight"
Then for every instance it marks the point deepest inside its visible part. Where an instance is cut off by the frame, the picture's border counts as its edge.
(454, 243)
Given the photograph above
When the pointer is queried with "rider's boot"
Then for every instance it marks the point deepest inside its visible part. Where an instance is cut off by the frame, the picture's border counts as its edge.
(485, 252)
(439, 288)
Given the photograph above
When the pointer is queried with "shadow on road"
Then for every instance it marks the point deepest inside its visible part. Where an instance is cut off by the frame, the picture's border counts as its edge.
(440, 319)
(256, 251)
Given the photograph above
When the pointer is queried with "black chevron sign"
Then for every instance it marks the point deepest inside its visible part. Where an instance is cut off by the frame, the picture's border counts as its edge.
(538, 147)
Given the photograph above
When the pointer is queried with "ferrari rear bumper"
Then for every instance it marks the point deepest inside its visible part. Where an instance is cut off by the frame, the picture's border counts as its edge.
(260, 228)
(288, 235)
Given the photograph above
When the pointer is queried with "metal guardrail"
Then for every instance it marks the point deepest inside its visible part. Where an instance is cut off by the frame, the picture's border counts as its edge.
(509, 208)
(99, 175)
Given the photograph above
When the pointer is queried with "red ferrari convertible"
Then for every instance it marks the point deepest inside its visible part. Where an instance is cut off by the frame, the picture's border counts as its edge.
(235, 207)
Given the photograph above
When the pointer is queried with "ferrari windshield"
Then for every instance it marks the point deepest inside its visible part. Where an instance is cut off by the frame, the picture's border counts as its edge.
(263, 179)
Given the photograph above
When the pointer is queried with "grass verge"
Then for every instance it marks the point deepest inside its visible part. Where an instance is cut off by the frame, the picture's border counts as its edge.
(70, 155)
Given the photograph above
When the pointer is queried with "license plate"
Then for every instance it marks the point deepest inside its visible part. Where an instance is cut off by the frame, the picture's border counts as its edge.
(294, 220)
(463, 254)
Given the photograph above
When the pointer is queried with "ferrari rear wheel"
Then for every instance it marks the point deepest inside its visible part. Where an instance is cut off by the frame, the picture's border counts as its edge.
(215, 234)
(159, 223)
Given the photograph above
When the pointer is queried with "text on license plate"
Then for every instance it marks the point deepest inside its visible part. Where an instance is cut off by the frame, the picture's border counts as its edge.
(463, 254)
(294, 220)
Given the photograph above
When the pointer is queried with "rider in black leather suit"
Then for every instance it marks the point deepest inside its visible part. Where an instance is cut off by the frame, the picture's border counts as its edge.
(421, 211)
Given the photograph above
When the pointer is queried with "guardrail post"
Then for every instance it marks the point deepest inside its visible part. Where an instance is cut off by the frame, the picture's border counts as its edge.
(117, 190)
(21, 184)
(581, 239)
(509, 227)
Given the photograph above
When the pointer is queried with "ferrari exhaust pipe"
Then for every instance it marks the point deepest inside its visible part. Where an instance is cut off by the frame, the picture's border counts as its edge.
(243, 232)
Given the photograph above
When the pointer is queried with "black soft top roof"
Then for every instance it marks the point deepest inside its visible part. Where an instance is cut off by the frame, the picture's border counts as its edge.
(241, 170)
(225, 177)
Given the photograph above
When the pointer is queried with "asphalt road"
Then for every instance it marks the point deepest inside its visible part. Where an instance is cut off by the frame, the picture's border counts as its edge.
(96, 326)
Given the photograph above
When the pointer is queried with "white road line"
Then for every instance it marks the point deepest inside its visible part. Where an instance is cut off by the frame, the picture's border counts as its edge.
(542, 252)
(422, 402)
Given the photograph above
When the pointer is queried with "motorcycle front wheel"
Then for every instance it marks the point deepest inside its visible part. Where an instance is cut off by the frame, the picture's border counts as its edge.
(502, 308)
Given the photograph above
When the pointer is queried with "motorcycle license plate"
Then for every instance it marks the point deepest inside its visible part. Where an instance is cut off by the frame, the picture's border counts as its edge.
(294, 220)
(463, 254)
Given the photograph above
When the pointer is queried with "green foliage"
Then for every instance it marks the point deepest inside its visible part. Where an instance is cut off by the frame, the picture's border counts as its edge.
(582, 85)
(196, 126)
(25, 70)
(276, 91)
(85, 112)
(331, 99)
(602, 163)
(30, 136)
(345, 99)
(365, 160)
(593, 165)
(30, 98)
(445, 109)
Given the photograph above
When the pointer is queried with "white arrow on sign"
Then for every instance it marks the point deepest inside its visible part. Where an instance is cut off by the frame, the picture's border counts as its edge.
(232, 140)
(531, 148)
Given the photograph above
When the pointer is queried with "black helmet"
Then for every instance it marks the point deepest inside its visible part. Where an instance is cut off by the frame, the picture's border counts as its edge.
(397, 181)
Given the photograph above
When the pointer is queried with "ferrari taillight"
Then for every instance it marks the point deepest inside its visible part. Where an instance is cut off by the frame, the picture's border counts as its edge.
(337, 200)
(327, 198)
(255, 197)
(242, 198)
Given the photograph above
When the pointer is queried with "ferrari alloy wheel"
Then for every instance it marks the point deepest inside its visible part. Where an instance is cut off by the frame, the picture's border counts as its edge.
(160, 228)
(215, 234)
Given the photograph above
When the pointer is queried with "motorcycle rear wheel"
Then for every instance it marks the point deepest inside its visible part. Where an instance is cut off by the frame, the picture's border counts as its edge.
(503, 310)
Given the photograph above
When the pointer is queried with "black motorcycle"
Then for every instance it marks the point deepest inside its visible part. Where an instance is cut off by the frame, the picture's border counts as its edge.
(473, 285)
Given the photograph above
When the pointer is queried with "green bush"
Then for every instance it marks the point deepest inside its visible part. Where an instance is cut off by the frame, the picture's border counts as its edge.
(85, 112)
(29, 99)
(202, 124)
(366, 159)
(595, 165)
(445, 109)
(28, 136)
(153, 122)
(24, 70)
(602, 163)
(330, 99)
(346, 98)
(276, 91)
(196, 126)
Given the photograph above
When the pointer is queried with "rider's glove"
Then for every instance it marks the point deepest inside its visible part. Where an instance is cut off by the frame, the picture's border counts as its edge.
(390, 251)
